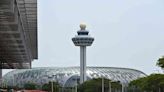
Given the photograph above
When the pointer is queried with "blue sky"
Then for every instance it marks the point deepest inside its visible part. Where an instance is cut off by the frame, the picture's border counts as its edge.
(128, 33)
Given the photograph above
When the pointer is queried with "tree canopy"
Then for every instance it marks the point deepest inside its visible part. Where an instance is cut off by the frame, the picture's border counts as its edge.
(160, 62)
(30, 86)
(95, 85)
(151, 83)
(48, 87)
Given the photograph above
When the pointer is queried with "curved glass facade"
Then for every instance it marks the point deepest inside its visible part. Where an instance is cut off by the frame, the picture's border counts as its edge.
(69, 76)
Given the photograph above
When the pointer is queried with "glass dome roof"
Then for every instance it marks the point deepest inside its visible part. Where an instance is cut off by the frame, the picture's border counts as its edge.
(68, 76)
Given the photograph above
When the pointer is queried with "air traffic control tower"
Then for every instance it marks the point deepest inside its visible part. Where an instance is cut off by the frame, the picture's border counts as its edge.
(82, 40)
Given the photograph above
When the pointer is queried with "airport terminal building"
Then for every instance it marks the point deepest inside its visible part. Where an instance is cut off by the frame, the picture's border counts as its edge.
(68, 76)
(18, 34)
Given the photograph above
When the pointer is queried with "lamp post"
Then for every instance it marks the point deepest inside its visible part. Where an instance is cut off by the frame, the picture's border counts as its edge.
(102, 84)
(110, 86)
(51, 85)
(13, 80)
(122, 87)
(159, 89)
(75, 79)
(76, 86)
(51, 77)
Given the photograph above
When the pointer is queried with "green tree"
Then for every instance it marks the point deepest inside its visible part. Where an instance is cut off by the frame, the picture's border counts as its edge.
(48, 87)
(151, 83)
(30, 86)
(137, 84)
(160, 62)
(155, 82)
(95, 85)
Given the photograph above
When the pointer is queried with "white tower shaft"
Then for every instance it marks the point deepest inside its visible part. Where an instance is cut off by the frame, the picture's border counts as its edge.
(82, 64)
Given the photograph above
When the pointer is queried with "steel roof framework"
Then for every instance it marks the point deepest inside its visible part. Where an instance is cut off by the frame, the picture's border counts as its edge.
(18, 33)
(66, 75)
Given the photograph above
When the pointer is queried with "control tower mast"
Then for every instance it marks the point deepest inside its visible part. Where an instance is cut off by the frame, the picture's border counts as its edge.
(83, 40)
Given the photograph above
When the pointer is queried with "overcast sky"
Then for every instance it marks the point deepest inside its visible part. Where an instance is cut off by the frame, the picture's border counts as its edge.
(128, 33)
